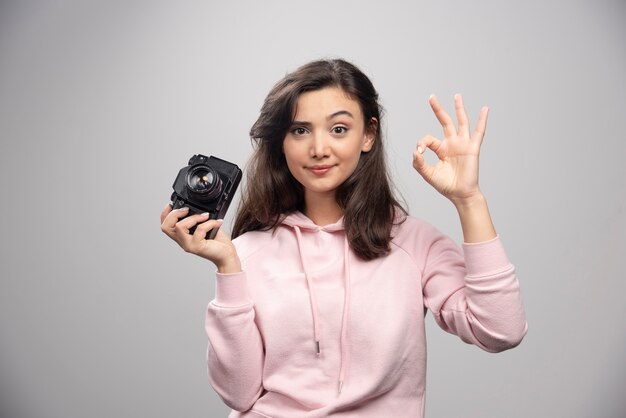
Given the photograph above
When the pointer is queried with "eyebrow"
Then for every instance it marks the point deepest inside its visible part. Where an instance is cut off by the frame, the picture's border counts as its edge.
(341, 112)
(329, 117)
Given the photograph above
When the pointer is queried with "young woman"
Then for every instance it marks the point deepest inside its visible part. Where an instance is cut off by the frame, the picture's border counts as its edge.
(320, 300)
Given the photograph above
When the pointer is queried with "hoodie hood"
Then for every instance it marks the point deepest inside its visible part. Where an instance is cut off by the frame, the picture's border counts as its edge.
(301, 224)
(300, 220)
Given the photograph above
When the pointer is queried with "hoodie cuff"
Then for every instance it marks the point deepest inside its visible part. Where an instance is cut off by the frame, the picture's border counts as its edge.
(231, 290)
(485, 258)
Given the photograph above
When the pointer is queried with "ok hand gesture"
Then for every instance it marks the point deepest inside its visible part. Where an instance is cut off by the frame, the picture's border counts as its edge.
(455, 175)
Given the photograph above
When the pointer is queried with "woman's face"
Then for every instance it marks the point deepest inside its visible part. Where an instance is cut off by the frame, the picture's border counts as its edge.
(325, 141)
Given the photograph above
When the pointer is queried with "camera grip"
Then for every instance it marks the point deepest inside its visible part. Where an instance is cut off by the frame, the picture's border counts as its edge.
(179, 203)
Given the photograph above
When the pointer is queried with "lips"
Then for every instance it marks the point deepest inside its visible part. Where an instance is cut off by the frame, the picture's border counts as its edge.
(319, 170)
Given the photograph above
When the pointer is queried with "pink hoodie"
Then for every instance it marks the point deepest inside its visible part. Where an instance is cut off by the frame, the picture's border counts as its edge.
(310, 330)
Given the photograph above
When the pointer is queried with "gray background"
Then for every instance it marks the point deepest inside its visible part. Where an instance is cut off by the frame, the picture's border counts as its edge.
(101, 103)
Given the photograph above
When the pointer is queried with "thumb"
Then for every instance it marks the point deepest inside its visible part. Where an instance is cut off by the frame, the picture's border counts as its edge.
(419, 163)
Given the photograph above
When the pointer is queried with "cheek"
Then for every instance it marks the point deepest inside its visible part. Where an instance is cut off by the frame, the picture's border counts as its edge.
(351, 153)
(296, 152)
(289, 154)
(292, 159)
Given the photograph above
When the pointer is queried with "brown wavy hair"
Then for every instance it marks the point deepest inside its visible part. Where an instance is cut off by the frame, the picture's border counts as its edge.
(369, 205)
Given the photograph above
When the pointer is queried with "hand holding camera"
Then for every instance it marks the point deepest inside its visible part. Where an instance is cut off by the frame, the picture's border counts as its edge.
(202, 193)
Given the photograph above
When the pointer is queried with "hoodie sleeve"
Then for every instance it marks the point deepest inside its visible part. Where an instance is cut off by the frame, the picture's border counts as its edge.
(475, 293)
(235, 349)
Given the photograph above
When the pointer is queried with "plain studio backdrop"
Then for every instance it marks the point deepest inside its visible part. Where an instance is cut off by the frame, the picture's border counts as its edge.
(101, 103)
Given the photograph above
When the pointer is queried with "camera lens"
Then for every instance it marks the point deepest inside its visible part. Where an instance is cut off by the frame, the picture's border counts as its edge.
(204, 183)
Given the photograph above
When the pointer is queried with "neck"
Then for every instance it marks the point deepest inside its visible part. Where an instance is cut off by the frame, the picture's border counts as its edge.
(322, 208)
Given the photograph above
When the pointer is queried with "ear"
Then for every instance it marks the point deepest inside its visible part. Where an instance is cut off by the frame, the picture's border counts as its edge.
(370, 135)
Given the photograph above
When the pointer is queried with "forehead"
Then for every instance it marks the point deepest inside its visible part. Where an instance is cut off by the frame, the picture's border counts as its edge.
(324, 102)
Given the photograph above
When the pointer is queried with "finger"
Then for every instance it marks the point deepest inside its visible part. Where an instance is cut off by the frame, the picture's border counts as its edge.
(420, 164)
(166, 210)
(446, 121)
(184, 225)
(222, 234)
(481, 126)
(432, 143)
(171, 219)
(461, 116)
(203, 229)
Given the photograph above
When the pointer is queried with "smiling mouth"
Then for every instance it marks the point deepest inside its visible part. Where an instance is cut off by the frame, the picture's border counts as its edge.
(320, 170)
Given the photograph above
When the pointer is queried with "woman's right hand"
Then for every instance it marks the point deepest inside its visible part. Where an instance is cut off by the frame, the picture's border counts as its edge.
(220, 250)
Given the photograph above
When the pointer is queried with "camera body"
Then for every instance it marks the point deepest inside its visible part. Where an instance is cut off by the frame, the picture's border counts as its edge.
(207, 184)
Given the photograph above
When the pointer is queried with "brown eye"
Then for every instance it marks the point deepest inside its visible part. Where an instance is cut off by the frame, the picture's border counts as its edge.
(340, 130)
(298, 131)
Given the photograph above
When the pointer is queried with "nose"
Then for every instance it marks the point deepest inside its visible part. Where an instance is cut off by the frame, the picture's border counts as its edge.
(319, 146)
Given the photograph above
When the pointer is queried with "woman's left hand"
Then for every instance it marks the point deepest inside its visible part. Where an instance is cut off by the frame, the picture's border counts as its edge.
(455, 175)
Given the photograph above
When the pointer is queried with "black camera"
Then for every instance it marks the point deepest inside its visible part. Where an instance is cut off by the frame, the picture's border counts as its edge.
(207, 184)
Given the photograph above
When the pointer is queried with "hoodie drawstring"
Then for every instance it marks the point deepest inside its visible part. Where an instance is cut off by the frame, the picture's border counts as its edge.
(312, 297)
(345, 352)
